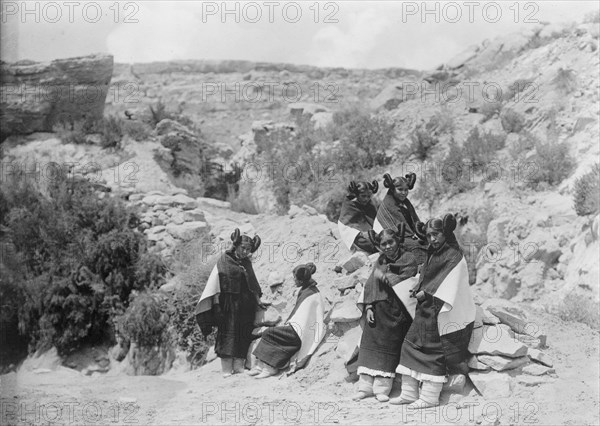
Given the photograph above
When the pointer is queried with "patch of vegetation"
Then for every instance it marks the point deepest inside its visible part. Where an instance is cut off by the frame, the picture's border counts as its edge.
(480, 148)
(137, 130)
(145, 321)
(577, 308)
(241, 201)
(586, 195)
(490, 110)
(525, 142)
(421, 142)
(565, 81)
(512, 121)
(553, 163)
(75, 260)
(516, 88)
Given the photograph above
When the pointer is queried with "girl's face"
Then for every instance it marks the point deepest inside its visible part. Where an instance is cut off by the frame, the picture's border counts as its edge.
(435, 238)
(298, 282)
(243, 251)
(401, 191)
(364, 197)
(389, 246)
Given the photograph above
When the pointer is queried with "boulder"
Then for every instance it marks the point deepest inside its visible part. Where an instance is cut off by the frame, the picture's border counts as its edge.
(496, 341)
(540, 357)
(346, 312)
(500, 363)
(193, 215)
(187, 231)
(456, 383)
(355, 261)
(345, 282)
(214, 203)
(186, 147)
(529, 381)
(297, 109)
(518, 323)
(274, 279)
(38, 95)
(537, 370)
(475, 364)
(295, 211)
(491, 385)
(391, 96)
(268, 317)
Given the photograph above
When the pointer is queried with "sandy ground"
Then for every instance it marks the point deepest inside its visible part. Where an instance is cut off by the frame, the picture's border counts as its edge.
(319, 394)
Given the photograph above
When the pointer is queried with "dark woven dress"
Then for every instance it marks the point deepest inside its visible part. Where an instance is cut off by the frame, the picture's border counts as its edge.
(239, 292)
(424, 350)
(381, 343)
(278, 344)
(361, 217)
(391, 213)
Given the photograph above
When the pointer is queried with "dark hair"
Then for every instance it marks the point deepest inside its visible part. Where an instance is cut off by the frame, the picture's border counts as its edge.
(408, 179)
(304, 272)
(237, 238)
(397, 234)
(355, 188)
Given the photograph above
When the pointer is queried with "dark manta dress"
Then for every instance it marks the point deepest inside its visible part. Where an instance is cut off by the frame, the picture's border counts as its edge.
(361, 217)
(424, 350)
(238, 300)
(381, 344)
(278, 344)
(391, 213)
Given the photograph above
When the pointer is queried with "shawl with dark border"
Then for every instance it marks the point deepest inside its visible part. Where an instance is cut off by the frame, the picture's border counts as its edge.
(358, 216)
(391, 213)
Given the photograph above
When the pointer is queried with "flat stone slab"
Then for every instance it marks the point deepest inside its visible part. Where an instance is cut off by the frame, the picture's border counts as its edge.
(491, 385)
(500, 363)
(346, 312)
(494, 340)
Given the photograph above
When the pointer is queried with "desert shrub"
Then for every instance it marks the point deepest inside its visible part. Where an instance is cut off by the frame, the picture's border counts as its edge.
(577, 308)
(565, 80)
(80, 260)
(480, 148)
(421, 142)
(442, 122)
(136, 130)
(512, 122)
(525, 142)
(111, 132)
(553, 163)
(145, 321)
(74, 132)
(160, 112)
(241, 201)
(586, 195)
(517, 87)
(193, 264)
(490, 109)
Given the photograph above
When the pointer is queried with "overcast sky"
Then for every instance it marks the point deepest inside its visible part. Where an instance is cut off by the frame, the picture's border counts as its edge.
(348, 34)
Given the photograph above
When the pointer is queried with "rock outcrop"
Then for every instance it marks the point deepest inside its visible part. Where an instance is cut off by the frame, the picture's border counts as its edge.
(38, 95)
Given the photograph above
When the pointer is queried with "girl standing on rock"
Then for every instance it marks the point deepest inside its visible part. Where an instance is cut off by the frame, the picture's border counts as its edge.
(396, 208)
(357, 216)
(436, 344)
(388, 309)
(294, 342)
(230, 301)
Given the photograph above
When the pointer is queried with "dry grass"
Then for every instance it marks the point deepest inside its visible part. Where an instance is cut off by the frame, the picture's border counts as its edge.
(578, 308)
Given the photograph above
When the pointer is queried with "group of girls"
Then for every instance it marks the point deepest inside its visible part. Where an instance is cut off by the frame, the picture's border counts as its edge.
(418, 311)
(417, 305)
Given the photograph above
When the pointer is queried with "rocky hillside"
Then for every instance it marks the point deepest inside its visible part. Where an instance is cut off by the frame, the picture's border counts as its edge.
(533, 256)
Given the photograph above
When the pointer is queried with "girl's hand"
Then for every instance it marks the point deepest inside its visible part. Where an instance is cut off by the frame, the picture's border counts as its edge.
(370, 316)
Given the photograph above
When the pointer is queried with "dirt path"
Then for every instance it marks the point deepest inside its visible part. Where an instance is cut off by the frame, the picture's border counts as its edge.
(317, 395)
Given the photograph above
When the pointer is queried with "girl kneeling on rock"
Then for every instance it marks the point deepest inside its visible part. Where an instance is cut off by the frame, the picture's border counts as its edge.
(387, 307)
(437, 341)
(294, 342)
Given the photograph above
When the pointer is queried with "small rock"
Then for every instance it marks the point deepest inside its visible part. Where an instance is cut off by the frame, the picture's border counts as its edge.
(346, 312)
(541, 357)
(496, 341)
(500, 363)
(268, 318)
(490, 319)
(491, 385)
(193, 215)
(275, 279)
(346, 282)
(456, 383)
(475, 364)
(537, 370)
(518, 325)
(533, 380)
(310, 210)
(355, 261)
(214, 203)
(532, 342)
(295, 211)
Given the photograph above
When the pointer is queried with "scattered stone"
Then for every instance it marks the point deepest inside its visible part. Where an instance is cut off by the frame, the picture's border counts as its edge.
(491, 385)
(355, 261)
(295, 211)
(345, 283)
(187, 203)
(275, 279)
(193, 215)
(518, 325)
(532, 342)
(500, 363)
(456, 383)
(177, 218)
(541, 357)
(310, 210)
(489, 319)
(268, 318)
(188, 230)
(346, 312)
(475, 364)
(215, 203)
(533, 380)
(136, 197)
(495, 341)
(537, 370)
(362, 275)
